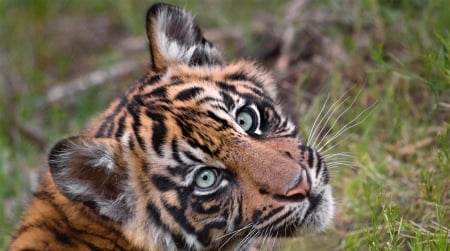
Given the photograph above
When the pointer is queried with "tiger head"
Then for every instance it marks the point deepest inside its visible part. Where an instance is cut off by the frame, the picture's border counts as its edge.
(198, 155)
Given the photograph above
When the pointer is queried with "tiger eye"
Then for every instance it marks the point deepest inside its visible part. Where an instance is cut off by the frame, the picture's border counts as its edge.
(206, 178)
(247, 119)
(244, 120)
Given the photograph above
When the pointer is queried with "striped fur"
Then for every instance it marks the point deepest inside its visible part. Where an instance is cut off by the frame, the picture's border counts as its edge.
(131, 180)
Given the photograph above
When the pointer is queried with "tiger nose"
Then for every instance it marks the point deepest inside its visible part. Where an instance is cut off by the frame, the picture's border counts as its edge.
(300, 185)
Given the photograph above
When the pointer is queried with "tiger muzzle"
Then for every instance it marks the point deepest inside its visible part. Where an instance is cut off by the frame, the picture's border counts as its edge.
(273, 165)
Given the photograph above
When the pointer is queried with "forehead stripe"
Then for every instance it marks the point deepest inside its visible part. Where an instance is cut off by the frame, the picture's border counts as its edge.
(242, 76)
(189, 93)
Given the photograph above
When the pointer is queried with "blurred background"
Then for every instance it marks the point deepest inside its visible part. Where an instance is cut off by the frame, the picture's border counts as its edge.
(386, 65)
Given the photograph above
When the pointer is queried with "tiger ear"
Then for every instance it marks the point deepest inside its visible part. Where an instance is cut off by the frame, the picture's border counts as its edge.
(175, 38)
(89, 170)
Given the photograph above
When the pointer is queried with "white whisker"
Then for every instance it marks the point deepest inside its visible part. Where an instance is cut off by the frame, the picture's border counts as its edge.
(330, 148)
(312, 132)
(246, 240)
(335, 155)
(234, 232)
(232, 235)
(338, 117)
(326, 118)
(340, 165)
(348, 126)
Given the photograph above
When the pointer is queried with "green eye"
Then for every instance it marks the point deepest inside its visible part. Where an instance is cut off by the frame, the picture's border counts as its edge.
(247, 119)
(206, 178)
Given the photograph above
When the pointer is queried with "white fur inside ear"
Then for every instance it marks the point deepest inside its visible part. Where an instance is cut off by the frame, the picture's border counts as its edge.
(173, 51)
(98, 155)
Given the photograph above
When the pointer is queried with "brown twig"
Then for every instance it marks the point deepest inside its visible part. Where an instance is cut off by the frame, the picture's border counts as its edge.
(410, 148)
(293, 11)
(95, 78)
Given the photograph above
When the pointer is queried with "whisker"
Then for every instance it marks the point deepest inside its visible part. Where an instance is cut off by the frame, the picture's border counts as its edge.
(340, 162)
(235, 231)
(264, 238)
(339, 165)
(349, 125)
(313, 128)
(335, 155)
(330, 148)
(327, 116)
(340, 115)
(245, 241)
(232, 235)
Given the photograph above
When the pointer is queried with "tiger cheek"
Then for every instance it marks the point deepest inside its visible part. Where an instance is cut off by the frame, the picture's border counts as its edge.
(254, 199)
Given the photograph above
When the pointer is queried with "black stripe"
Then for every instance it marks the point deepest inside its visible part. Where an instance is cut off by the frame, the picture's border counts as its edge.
(199, 207)
(242, 76)
(223, 123)
(180, 242)
(121, 127)
(177, 171)
(208, 100)
(228, 100)
(238, 218)
(227, 87)
(110, 130)
(310, 157)
(154, 215)
(192, 157)
(256, 215)
(159, 131)
(188, 94)
(101, 130)
(260, 93)
(158, 92)
(131, 144)
(178, 215)
(272, 213)
(202, 147)
(110, 118)
(151, 80)
(175, 153)
(163, 183)
(319, 164)
(133, 110)
(279, 219)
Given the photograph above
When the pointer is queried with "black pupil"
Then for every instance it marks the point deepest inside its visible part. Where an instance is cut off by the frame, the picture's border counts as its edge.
(205, 177)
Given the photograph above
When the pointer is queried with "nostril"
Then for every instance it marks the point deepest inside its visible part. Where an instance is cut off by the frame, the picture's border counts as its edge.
(302, 186)
(289, 155)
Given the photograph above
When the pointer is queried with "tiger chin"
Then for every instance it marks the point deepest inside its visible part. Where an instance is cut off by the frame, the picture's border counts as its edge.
(196, 156)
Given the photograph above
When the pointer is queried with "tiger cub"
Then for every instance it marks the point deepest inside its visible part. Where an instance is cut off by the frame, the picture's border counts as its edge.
(197, 156)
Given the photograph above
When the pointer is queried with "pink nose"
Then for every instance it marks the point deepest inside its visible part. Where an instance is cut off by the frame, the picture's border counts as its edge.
(302, 187)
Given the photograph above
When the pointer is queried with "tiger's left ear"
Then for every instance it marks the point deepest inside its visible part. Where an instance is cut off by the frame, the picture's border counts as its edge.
(90, 170)
(175, 38)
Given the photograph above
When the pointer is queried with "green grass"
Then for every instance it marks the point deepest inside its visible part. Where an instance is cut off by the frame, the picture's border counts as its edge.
(396, 194)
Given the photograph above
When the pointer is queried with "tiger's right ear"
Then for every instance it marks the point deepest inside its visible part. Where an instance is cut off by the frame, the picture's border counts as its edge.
(175, 38)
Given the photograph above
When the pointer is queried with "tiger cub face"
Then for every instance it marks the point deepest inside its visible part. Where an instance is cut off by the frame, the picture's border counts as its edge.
(198, 155)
